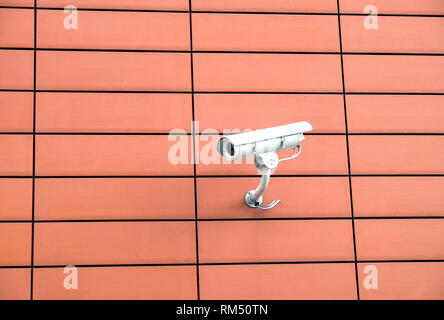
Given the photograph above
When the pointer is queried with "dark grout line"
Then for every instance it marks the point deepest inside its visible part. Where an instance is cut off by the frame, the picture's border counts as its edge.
(432, 54)
(228, 219)
(400, 15)
(397, 93)
(113, 50)
(98, 91)
(228, 51)
(33, 150)
(313, 262)
(381, 175)
(227, 92)
(348, 154)
(218, 134)
(121, 10)
(402, 261)
(120, 265)
(102, 133)
(233, 12)
(247, 263)
(97, 9)
(196, 229)
(321, 14)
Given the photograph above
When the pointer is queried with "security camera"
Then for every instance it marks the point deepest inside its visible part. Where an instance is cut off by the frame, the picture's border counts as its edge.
(263, 145)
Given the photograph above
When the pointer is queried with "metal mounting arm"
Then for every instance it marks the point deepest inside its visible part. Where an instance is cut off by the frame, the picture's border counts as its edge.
(266, 162)
(253, 198)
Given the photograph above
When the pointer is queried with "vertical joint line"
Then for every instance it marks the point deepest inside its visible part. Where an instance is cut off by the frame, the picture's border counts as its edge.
(31, 294)
(348, 150)
(193, 136)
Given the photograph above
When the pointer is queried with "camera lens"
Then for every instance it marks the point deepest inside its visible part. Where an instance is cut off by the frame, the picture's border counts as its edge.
(230, 149)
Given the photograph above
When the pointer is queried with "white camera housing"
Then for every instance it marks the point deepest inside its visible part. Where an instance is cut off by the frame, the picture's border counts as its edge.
(263, 145)
(248, 144)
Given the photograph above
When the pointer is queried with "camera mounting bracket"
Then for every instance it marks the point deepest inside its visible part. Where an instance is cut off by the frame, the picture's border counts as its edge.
(266, 162)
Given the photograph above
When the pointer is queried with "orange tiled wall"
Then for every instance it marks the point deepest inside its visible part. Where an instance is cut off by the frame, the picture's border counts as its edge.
(85, 179)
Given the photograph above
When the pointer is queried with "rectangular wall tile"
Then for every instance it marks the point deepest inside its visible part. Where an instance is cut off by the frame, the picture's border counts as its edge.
(80, 199)
(16, 111)
(267, 72)
(119, 4)
(17, 3)
(78, 243)
(15, 155)
(257, 111)
(399, 239)
(278, 282)
(112, 283)
(15, 244)
(113, 112)
(115, 30)
(139, 71)
(15, 284)
(15, 199)
(17, 28)
(404, 281)
(16, 69)
(397, 154)
(262, 241)
(300, 197)
(395, 113)
(395, 6)
(398, 196)
(108, 155)
(369, 73)
(320, 155)
(266, 6)
(394, 34)
(262, 32)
